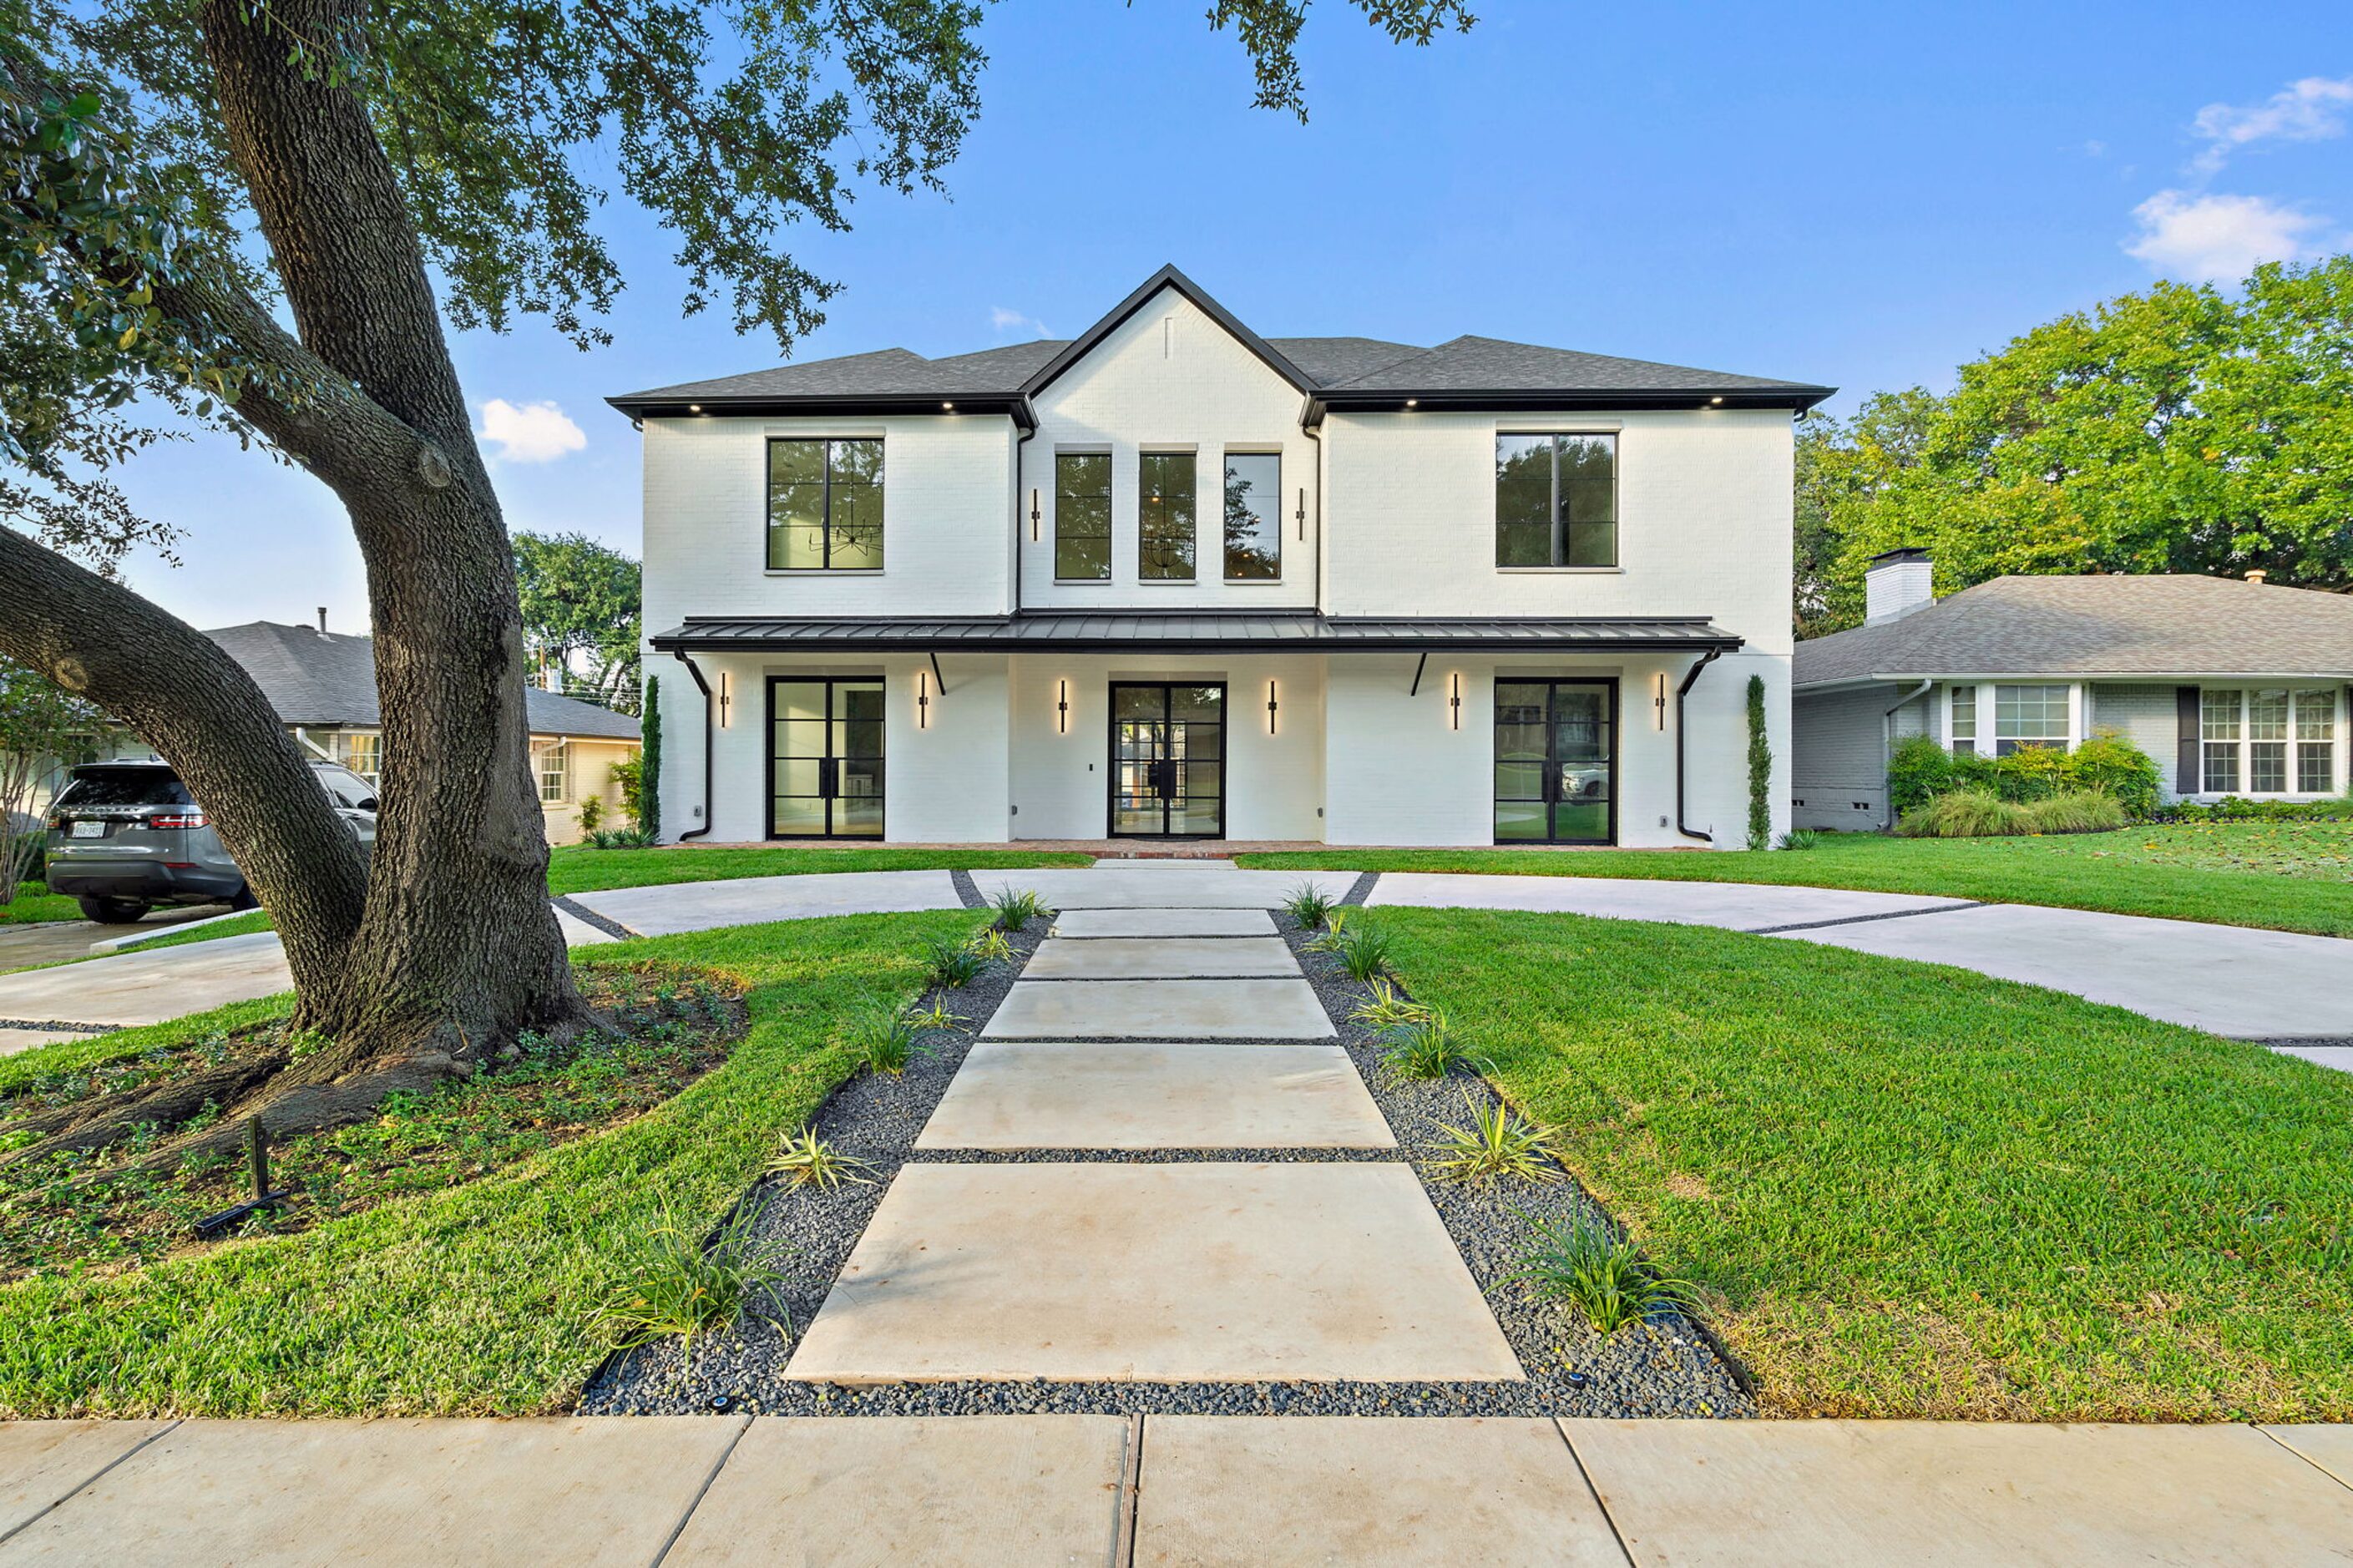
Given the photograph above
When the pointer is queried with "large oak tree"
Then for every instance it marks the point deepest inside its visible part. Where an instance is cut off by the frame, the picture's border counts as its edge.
(240, 210)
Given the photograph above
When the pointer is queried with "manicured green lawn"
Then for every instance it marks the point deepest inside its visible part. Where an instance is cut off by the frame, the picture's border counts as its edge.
(35, 903)
(1916, 1192)
(573, 869)
(475, 1300)
(2285, 876)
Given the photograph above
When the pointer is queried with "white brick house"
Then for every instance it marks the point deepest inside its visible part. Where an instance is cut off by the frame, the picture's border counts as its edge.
(1173, 579)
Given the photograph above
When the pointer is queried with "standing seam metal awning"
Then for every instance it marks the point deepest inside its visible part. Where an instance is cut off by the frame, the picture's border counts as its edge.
(1124, 630)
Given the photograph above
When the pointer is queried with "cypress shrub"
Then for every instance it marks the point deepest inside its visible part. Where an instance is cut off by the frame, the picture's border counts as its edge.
(1760, 770)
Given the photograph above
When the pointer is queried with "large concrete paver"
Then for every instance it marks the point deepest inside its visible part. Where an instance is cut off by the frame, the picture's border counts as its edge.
(43, 1462)
(1166, 958)
(146, 987)
(1221, 1271)
(671, 907)
(1136, 922)
(2228, 980)
(1160, 1010)
(1170, 885)
(15, 1040)
(1734, 905)
(1404, 1491)
(1830, 1494)
(1024, 1095)
(1015, 1490)
(2330, 1446)
(262, 1493)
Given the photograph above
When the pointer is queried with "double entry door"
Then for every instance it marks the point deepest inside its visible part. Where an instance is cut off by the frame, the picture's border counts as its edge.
(1168, 760)
(1556, 762)
(825, 758)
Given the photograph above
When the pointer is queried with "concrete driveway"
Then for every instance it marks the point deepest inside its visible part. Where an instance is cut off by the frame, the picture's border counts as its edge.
(55, 942)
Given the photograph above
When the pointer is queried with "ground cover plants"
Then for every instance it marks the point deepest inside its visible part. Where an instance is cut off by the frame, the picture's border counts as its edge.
(1605, 1274)
(1901, 1190)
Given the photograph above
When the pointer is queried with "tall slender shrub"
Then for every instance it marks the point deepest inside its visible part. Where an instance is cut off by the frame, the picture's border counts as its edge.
(649, 759)
(1760, 770)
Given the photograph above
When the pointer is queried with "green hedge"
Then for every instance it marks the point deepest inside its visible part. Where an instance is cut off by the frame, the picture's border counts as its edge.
(2234, 808)
(1920, 770)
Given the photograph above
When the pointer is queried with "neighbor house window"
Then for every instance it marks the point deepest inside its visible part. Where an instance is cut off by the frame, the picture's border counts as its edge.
(2267, 741)
(1253, 517)
(363, 754)
(1556, 501)
(2029, 716)
(1964, 719)
(555, 775)
(1165, 510)
(1082, 515)
(825, 506)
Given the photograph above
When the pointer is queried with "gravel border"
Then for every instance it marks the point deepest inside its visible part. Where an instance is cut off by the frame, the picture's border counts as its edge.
(59, 1026)
(1670, 1367)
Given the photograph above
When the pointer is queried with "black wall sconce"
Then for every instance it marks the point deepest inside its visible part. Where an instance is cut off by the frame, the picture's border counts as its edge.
(1270, 706)
(1454, 700)
(1659, 697)
(1300, 515)
(922, 700)
(1062, 707)
(725, 697)
(1033, 516)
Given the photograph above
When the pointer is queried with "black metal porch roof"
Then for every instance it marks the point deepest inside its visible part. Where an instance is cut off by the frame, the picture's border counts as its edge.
(1112, 631)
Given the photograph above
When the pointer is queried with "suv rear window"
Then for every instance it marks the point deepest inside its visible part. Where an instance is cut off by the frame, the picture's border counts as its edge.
(126, 787)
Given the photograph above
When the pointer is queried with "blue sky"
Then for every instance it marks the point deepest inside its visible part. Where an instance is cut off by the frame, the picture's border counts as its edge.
(1862, 195)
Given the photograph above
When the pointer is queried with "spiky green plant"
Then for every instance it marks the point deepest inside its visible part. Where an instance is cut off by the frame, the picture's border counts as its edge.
(952, 964)
(1334, 932)
(1497, 1146)
(990, 944)
(808, 1161)
(935, 1018)
(1389, 1008)
(673, 1284)
(887, 1037)
(1604, 1274)
(1016, 907)
(1309, 905)
(1364, 952)
(1423, 1048)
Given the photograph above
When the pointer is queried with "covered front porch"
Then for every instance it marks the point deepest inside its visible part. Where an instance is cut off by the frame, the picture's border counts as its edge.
(1144, 731)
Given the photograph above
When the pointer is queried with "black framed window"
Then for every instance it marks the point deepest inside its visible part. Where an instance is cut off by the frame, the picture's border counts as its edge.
(825, 505)
(1556, 500)
(1253, 527)
(1082, 515)
(1166, 511)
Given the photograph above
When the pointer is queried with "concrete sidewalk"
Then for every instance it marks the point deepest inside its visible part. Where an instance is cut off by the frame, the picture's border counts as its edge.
(1024, 1489)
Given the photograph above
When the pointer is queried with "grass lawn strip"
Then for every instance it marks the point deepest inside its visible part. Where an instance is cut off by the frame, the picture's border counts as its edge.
(1917, 1191)
(35, 905)
(2277, 875)
(477, 1299)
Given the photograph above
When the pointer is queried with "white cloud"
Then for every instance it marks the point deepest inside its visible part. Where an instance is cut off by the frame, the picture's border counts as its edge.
(1001, 320)
(2218, 239)
(533, 433)
(2313, 110)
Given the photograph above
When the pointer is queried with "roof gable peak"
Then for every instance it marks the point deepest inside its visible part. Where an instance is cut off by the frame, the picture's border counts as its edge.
(1168, 278)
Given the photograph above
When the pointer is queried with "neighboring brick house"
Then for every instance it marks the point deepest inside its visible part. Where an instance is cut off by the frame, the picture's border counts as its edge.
(2235, 687)
(1172, 579)
(322, 685)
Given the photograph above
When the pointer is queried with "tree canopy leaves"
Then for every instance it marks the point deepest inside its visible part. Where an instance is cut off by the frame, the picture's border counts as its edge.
(580, 605)
(2182, 429)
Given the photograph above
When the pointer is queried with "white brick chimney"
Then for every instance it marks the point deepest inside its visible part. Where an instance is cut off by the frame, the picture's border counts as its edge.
(1897, 583)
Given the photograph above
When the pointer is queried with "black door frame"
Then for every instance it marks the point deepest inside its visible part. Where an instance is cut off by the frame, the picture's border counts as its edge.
(768, 801)
(1552, 757)
(1111, 751)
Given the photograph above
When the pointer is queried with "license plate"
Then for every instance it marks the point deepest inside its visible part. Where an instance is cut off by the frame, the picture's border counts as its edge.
(88, 830)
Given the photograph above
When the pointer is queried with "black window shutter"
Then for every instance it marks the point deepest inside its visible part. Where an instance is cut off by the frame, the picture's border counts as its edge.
(2185, 756)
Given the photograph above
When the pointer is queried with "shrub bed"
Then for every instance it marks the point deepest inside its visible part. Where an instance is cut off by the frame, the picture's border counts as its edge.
(1981, 813)
(1920, 771)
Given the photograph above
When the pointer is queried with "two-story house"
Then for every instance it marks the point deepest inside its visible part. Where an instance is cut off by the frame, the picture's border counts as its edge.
(1175, 579)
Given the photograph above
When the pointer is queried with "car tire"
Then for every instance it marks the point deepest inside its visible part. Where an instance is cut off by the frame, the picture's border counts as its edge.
(114, 911)
(243, 899)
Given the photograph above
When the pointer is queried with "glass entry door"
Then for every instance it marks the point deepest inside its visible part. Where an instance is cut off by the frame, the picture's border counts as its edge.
(825, 758)
(1556, 761)
(1167, 760)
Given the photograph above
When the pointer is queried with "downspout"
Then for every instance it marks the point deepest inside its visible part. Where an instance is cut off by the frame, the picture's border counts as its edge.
(1028, 430)
(1317, 436)
(1887, 744)
(1685, 828)
(704, 687)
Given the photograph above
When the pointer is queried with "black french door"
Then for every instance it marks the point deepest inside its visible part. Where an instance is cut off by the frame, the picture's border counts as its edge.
(1168, 760)
(1556, 761)
(825, 758)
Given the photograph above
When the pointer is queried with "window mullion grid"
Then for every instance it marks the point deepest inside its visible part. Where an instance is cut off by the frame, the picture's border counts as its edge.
(1559, 519)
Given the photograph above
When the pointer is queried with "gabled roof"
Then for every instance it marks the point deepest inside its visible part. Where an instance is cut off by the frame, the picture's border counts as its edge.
(1344, 373)
(328, 680)
(2151, 626)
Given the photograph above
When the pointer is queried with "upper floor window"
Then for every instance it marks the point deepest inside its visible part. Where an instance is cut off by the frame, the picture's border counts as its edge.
(1253, 527)
(1556, 501)
(825, 505)
(2267, 741)
(1166, 512)
(1083, 515)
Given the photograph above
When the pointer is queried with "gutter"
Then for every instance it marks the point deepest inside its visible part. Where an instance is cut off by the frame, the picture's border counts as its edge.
(1887, 744)
(1682, 826)
(704, 687)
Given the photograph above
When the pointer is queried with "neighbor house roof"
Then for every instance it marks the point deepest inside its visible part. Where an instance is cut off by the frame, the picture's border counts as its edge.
(2147, 626)
(1347, 372)
(1045, 631)
(327, 679)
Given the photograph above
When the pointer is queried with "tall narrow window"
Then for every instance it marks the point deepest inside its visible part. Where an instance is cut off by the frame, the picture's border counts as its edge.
(825, 505)
(1964, 700)
(1166, 512)
(2267, 741)
(2219, 732)
(1556, 501)
(1253, 517)
(553, 762)
(2316, 742)
(1083, 515)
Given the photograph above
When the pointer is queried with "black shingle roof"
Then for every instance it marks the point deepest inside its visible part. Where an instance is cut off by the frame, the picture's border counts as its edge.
(327, 679)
